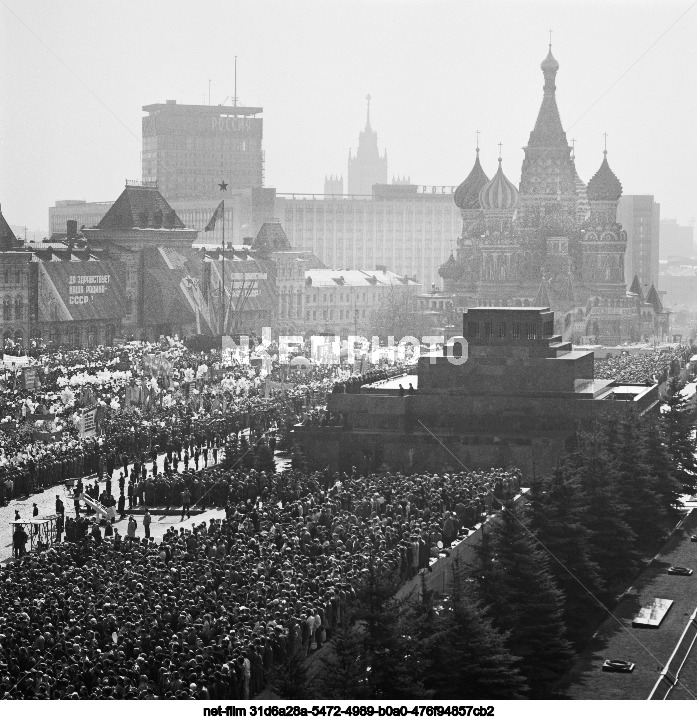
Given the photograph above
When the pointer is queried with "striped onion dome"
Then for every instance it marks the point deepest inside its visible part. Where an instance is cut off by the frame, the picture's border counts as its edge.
(499, 193)
(467, 194)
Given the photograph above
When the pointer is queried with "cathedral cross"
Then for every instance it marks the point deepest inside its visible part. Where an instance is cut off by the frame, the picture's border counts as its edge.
(605, 136)
(500, 145)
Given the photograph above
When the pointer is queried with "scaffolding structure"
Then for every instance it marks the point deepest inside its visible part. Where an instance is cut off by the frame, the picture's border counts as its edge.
(40, 530)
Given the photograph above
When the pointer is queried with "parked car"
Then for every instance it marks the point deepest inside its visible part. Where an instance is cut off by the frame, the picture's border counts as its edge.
(616, 666)
(680, 571)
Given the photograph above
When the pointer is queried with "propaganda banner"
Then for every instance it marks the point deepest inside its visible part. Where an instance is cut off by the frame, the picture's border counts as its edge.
(15, 361)
(88, 422)
(30, 378)
(48, 417)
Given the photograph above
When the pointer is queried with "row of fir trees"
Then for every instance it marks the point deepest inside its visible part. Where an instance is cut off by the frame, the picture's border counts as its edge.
(546, 570)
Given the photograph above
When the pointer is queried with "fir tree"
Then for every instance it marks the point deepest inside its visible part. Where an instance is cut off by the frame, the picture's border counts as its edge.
(395, 661)
(245, 457)
(558, 518)
(468, 656)
(645, 514)
(263, 458)
(343, 674)
(679, 421)
(291, 681)
(528, 604)
(612, 541)
(664, 477)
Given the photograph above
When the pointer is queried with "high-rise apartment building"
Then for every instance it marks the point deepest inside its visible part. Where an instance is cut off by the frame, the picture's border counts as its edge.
(189, 149)
(640, 216)
(676, 240)
(367, 167)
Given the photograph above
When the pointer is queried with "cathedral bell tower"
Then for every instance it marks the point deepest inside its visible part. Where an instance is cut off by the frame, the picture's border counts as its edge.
(548, 175)
(603, 242)
(498, 200)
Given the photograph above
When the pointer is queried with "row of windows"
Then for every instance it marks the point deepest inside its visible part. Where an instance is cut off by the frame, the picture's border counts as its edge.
(328, 314)
(370, 207)
(333, 298)
(7, 309)
(489, 330)
(15, 336)
(15, 277)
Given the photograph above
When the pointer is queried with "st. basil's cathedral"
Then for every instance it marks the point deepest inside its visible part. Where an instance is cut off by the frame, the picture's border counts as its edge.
(552, 242)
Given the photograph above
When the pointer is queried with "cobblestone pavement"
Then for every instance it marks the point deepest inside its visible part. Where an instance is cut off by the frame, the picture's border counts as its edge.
(46, 503)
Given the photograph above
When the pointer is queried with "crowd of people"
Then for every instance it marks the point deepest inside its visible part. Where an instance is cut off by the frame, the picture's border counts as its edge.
(210, 612)
(199, 399)
(652, 367)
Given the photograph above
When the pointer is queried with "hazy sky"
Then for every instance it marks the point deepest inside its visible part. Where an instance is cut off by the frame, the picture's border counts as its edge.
(75, 74)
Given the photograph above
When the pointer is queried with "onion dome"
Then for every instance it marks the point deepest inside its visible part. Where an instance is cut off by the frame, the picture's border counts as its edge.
(467, 193)
(550, 63)
(499, 193)
(558, 224)
(448, 270)
(604, 185)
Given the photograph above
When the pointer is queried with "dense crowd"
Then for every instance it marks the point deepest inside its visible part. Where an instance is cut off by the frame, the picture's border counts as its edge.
(649, 368)
(210, 613)
(198, 399)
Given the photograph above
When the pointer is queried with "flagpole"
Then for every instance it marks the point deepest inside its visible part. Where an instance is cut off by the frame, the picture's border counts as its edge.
(222, 295)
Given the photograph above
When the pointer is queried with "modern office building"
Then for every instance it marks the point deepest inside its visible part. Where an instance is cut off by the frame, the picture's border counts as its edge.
(640, 216)
(196, 155)
(676, 240)
(189, 149)
(408, 228)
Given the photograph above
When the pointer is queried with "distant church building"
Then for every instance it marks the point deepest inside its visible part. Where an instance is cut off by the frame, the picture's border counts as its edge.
(553, 241)
(367, 167)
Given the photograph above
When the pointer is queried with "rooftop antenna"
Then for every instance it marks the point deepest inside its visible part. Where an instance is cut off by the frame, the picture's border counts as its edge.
(209, 91)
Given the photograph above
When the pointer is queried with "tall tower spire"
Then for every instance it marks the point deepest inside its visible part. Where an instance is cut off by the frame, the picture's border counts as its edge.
(548, 174)
(367, 167)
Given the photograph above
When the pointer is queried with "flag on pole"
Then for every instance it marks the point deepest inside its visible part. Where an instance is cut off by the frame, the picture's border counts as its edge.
(218, 215)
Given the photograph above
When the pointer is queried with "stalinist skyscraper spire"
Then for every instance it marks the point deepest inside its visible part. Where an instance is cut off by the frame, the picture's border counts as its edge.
(367, 167)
